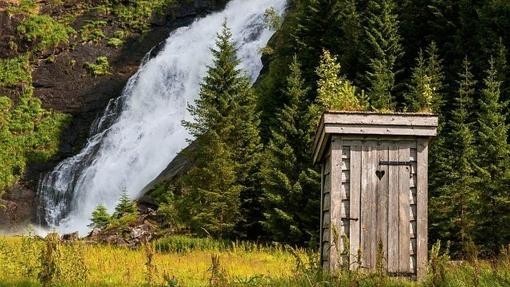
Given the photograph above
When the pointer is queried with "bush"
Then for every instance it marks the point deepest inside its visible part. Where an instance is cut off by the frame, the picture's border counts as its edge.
(44, 32)
(136, 14)
(28, 133)
(15, 71)
(100, 68)
(92, 31)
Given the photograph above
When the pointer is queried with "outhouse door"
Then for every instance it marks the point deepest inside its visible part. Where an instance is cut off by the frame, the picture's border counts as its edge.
(380, 183)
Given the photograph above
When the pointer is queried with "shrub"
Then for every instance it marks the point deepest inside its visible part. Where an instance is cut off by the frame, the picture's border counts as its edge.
(28, 133)
(100, 68)
(135, 15)
(92, 31)
(115, 42)
(15, 71)
(44, 32)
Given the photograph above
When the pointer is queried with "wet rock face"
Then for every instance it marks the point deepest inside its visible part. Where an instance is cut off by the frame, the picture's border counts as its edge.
(17, 208)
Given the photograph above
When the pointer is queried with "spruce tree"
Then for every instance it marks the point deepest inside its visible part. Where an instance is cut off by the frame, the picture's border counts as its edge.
(383, 51)
(226, 157)
(420, 95)
(427, 81)
(455, 201)
(100, 217)
(125, 206)
(448, 205)
(493, 165)
(435, 71)
(289, 183)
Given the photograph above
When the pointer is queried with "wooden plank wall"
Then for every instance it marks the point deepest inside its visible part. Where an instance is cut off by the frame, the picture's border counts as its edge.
(325, 208)
(371, 210)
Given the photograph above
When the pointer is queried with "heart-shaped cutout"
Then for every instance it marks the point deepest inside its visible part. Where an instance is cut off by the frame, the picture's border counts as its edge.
(380, 173)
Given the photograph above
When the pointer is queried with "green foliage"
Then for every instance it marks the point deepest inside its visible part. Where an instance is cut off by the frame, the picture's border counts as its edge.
(100, 68)
(93, 32)
(493, 165)
(425, 92)
(288, 192)
(28, 134)
(333, 91)
(125, 206)
(272, 19)
(24, 7)
(184, 244)
(100, 217)
(458, 220)
(220, 185)
(44, 32)
(136, 14)
(384, 49)
(15, 71)
(115, 42)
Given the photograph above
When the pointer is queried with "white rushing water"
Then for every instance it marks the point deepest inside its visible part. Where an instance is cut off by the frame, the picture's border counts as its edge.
(141, 132)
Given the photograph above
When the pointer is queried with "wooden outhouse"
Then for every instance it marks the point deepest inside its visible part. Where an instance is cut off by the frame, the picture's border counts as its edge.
(374, 190)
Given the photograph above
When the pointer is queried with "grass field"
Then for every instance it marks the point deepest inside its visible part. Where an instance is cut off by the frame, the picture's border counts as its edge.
(183, 261)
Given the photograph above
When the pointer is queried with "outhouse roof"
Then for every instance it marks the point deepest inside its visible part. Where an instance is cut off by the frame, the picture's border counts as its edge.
(372, 124)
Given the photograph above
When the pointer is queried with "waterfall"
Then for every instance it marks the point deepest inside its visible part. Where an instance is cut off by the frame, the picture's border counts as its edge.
(140, 132)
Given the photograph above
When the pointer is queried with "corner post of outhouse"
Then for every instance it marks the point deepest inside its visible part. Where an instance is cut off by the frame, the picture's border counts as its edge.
(422, 163)
(336, 203)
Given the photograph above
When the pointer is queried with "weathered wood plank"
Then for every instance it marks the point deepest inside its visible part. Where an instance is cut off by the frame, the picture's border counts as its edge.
(403, 210)
(393, 210)
(366, 217)
(380, 119)
(380, 130)
(422, 203)
(336, 200)
(321, 212)
(354, 204)
(326, 202)
(382, 186)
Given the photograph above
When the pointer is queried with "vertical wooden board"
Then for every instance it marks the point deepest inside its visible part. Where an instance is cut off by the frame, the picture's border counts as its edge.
(321, 214)
(421, 210)
(393, 210)
(382, 201)
(373, 204)
(366, 217)
(336, 202)
(354, 204)
(403, 211)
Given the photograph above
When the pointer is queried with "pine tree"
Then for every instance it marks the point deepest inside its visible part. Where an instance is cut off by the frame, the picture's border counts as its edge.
(425, 93)
(288, 197)
(350, 36)
(451, 168)
(211, 194)
(125, 206)
(435, 71)
(383, 51)
(100, 217)
(333, 91)
(458, 196)
(420, 94)
(228, 145)
(493, 165)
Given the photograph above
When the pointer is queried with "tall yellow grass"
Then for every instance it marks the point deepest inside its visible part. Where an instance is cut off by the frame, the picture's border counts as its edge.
(117, 266)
